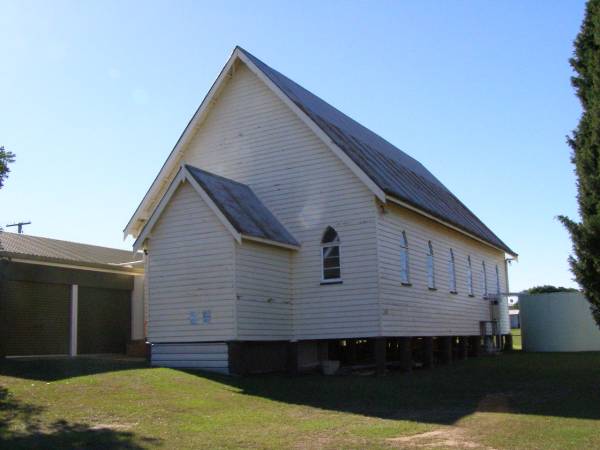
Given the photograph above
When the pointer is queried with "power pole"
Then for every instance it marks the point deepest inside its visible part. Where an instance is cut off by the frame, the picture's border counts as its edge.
(19, 226)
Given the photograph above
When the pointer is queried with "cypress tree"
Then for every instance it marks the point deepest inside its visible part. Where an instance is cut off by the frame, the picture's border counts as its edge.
(6, 158)
(585, 142)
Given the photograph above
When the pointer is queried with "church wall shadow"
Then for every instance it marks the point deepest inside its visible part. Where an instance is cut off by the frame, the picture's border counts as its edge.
(558, 385)
(53, 369)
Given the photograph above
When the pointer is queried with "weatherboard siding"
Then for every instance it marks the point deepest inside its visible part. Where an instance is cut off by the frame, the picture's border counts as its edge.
(252, 137)
(415, 310)
(211, 357)
(190, 272)
(264, 294)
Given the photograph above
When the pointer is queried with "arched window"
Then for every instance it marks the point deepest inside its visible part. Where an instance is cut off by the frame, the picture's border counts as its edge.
(497, 280)
(404, 272)
(330, 256)
(452, 272)
(469, 276)
(430, 267)
(485, 283)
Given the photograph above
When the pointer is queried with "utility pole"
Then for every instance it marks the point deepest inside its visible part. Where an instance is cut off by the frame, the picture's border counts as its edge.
(19, 226)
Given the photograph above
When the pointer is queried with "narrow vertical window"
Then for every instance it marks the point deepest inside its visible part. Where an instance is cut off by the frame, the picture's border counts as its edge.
(485, 283)
(330, 257)
(469, 276)
(430, 267)
(452, 272)
(497, 280)
(404, 272)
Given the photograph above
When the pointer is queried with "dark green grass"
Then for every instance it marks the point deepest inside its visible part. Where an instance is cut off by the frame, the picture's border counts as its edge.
(517, 400)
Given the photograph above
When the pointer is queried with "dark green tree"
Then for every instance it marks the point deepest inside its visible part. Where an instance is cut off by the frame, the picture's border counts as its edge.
(548, 289)
(6, 158)
(585, 142)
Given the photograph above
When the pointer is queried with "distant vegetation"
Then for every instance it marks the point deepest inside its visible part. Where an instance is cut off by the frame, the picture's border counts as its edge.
(548, 289)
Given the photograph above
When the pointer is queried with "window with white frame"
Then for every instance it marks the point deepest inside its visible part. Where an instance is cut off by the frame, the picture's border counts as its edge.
(404, 271)
(430, 267)
(497, 280)
(469, 276)
(484, 279)
(330, 257)
(452, 272)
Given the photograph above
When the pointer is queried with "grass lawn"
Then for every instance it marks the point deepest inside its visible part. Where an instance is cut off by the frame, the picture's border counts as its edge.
(516, 401)
(517, 340)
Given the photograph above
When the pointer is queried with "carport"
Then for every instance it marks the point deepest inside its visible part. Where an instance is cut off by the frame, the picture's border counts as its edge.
(66, 298)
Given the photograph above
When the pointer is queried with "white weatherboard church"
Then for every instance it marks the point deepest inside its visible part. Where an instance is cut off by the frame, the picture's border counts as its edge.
(280, 233)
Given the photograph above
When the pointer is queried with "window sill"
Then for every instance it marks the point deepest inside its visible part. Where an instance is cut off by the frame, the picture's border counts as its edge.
(432, 289)
(323, 283)
(406, 284)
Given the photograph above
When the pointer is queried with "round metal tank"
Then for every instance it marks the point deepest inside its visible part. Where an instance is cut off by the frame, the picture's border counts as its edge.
(558, 322)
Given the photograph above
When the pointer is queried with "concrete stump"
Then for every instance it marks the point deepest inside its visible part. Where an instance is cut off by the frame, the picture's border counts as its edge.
(380, 355)
(462, 352)
(427, 352)
(292, 358)
(445, 347)
(508, 343)
(474, 346)
(405, 350)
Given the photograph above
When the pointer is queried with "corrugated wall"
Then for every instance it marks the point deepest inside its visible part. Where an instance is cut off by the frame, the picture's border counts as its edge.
(558, 322)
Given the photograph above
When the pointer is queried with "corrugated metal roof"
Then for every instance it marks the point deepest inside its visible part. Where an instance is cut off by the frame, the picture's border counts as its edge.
(395, 172)
(54, 250)
(242, 208)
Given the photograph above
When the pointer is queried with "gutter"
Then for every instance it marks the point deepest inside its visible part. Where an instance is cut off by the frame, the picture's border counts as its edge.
(72, 264)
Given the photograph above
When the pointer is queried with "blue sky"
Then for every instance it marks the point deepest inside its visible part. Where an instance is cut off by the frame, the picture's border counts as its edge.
(95, 94)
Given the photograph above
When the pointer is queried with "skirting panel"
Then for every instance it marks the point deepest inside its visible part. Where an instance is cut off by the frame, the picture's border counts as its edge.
(211, 356)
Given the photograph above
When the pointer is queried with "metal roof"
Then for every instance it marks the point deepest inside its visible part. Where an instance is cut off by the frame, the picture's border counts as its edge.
(395, 172)
(53, 250)
(242, 208)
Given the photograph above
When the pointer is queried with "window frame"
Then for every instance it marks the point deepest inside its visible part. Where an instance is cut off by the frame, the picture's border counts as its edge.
(470, 290)
(452, 273)
(430, 267)
(404, 261)
(324, 245)
(485, 280)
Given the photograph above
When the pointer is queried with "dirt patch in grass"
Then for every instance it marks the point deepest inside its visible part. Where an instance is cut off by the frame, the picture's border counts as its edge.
(114, 426)
(449, 437)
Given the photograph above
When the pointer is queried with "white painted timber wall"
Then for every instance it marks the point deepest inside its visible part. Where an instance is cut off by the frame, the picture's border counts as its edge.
(417, 311)
(213, 357)
(264, 294)
(190, 273)
(252, 137)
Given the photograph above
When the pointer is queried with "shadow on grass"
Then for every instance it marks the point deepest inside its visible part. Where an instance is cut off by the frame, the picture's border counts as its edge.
(20, 428)
(560, 385)
(52, 369)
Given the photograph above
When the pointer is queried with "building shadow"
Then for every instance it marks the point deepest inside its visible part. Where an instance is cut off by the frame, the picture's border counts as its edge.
(558, 385)
(58, 368)
(21, 428)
